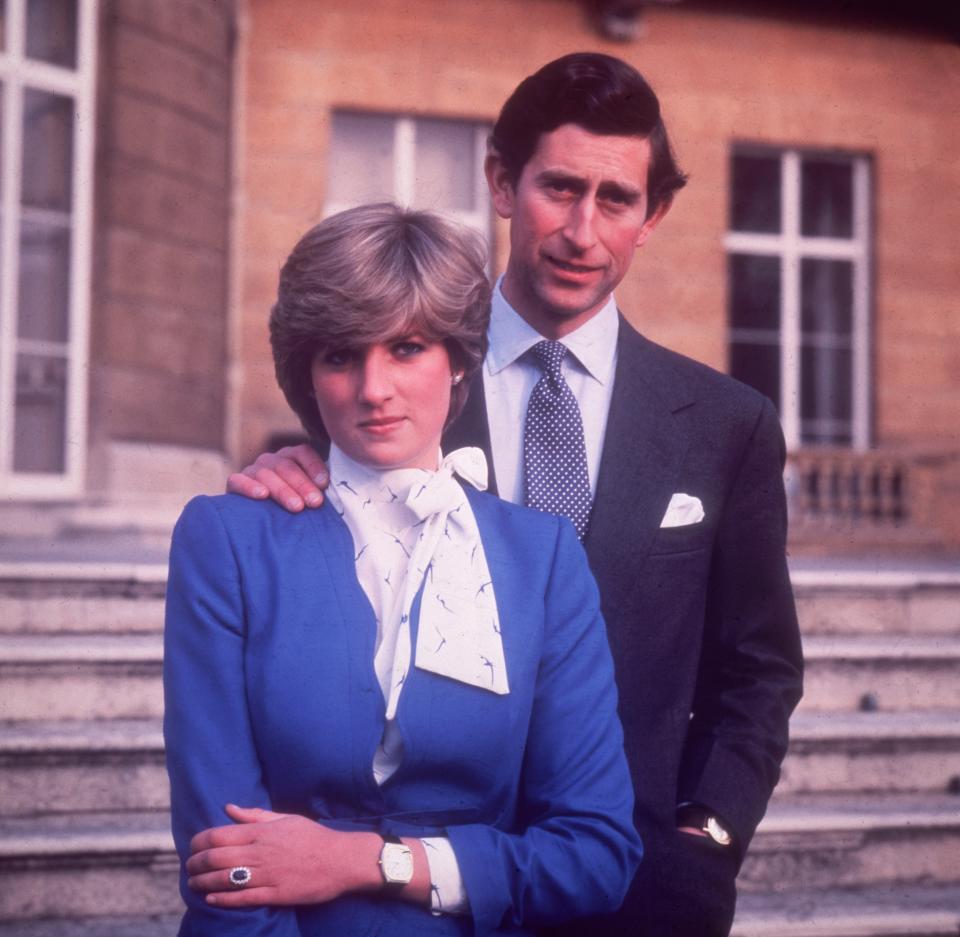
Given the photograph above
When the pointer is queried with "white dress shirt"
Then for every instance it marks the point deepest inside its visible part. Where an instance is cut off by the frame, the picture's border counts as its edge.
(508, 381)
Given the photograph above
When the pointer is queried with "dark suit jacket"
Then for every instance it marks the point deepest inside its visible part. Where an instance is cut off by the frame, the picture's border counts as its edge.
(701, 619)
(272, 701)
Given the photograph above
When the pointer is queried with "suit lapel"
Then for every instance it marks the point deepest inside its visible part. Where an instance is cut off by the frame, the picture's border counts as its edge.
(643, 449)
(471, 428)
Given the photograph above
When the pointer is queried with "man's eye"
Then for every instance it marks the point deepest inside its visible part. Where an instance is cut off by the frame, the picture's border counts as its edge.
(617, 199)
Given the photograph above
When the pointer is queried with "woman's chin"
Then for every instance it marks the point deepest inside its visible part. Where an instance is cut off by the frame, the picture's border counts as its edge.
(388, 455)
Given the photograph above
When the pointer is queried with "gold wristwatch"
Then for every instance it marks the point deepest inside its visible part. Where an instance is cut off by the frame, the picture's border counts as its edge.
(396, 864)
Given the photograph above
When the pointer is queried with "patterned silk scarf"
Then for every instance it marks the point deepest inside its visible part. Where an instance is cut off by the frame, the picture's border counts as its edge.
(413, 527)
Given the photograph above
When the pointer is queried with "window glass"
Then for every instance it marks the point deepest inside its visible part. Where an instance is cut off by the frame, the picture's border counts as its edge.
(44, 281)
(52, 31)
(361, 159)
(826, 195)
(49, 204)
(826, 296)
(754, 291)
(798, 301)
(47, 150)
(40, 416)
(755, 199)
(826, 403)
(446, 170)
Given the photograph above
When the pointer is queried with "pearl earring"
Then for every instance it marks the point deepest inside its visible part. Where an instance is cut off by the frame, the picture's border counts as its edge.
(456, 378)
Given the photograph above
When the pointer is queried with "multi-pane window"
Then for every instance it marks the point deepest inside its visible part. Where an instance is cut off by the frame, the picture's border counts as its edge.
(418, 162)
(798, 288)
(46, 135)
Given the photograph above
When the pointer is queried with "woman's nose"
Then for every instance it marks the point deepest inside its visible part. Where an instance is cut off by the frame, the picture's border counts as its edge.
(374, 385)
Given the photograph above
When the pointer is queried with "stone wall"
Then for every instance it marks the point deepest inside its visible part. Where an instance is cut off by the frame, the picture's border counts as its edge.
(159, 337)
(723, 77)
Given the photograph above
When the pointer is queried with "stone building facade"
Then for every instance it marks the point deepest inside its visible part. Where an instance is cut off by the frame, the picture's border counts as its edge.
(223, 129)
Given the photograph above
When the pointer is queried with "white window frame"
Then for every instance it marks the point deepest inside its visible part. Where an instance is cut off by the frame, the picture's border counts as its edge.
(404, 173)
(17, 72)
(791, 247)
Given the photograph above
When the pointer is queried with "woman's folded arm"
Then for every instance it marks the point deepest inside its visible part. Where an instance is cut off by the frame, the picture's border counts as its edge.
(577, 850)
(211, 755)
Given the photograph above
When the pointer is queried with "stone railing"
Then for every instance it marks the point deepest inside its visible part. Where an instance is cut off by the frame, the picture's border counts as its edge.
(893, 496)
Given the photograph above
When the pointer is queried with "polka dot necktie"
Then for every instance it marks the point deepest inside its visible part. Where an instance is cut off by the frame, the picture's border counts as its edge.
(555, 475)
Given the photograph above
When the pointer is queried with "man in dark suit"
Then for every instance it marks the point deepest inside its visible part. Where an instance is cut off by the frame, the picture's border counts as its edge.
(683, 482)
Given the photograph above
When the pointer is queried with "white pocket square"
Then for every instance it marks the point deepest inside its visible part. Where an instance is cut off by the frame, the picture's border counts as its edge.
(682, 511)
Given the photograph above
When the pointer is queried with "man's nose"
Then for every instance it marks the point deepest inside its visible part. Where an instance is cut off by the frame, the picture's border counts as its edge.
(375, 385)
(580, 229)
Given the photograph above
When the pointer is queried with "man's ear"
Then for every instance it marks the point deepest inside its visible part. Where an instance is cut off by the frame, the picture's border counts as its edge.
(502, 192)
(647, 228)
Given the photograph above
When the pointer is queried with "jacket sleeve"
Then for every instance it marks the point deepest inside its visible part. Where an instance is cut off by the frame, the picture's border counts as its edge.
(575, 850)
(211, 755)
(751, 667)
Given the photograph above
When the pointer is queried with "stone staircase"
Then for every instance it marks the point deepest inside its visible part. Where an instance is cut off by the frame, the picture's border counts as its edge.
(85, 846)
(862, 838)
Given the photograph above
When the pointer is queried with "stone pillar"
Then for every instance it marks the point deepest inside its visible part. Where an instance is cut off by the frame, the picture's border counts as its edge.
(159, 329)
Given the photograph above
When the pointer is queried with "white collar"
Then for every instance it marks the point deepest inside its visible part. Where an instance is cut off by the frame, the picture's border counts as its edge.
(593, 344)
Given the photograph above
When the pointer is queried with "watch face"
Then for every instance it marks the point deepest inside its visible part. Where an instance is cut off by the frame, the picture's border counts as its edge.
(397, 863)
(715, 830)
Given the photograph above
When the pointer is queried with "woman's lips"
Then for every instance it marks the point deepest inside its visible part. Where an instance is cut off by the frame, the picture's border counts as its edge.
(381, 425)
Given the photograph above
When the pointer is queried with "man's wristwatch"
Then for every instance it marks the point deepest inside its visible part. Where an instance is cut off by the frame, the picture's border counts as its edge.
(396, 864)
(699, 818)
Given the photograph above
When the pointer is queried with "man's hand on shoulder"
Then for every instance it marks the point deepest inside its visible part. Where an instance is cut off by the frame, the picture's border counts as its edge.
(294, 477)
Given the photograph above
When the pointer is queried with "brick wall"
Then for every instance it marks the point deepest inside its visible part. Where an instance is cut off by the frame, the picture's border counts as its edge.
(159, 313)
(722, 77)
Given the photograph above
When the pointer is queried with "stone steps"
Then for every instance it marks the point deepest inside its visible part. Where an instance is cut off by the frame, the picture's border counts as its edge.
(877, 601)
(889, 672)
(897, 672)
(78, 865)
(831, 841)
(60, 597)
(898, 911)
(82, 765)
(74, 676)
(160, 925)
(873, 752)
(863, 805)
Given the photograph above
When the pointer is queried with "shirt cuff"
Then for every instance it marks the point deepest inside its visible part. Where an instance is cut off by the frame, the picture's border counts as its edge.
(447, 894)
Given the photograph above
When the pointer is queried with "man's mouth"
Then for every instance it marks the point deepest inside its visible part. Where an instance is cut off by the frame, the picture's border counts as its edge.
(567, 267)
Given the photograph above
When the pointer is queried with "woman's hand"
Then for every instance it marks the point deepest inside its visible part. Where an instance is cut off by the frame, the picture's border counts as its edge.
(292, 860)
(292, 476)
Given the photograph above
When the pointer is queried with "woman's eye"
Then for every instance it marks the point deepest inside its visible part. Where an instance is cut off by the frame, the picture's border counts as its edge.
(407, 349)
(337, 357)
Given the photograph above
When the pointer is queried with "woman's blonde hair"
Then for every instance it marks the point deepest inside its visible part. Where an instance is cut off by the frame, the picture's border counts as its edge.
(374, 273)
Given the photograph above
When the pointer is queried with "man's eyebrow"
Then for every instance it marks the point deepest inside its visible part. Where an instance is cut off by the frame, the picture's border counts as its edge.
(559, 175)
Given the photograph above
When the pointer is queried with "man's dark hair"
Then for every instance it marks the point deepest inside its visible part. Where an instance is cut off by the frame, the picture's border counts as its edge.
(599, 93)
